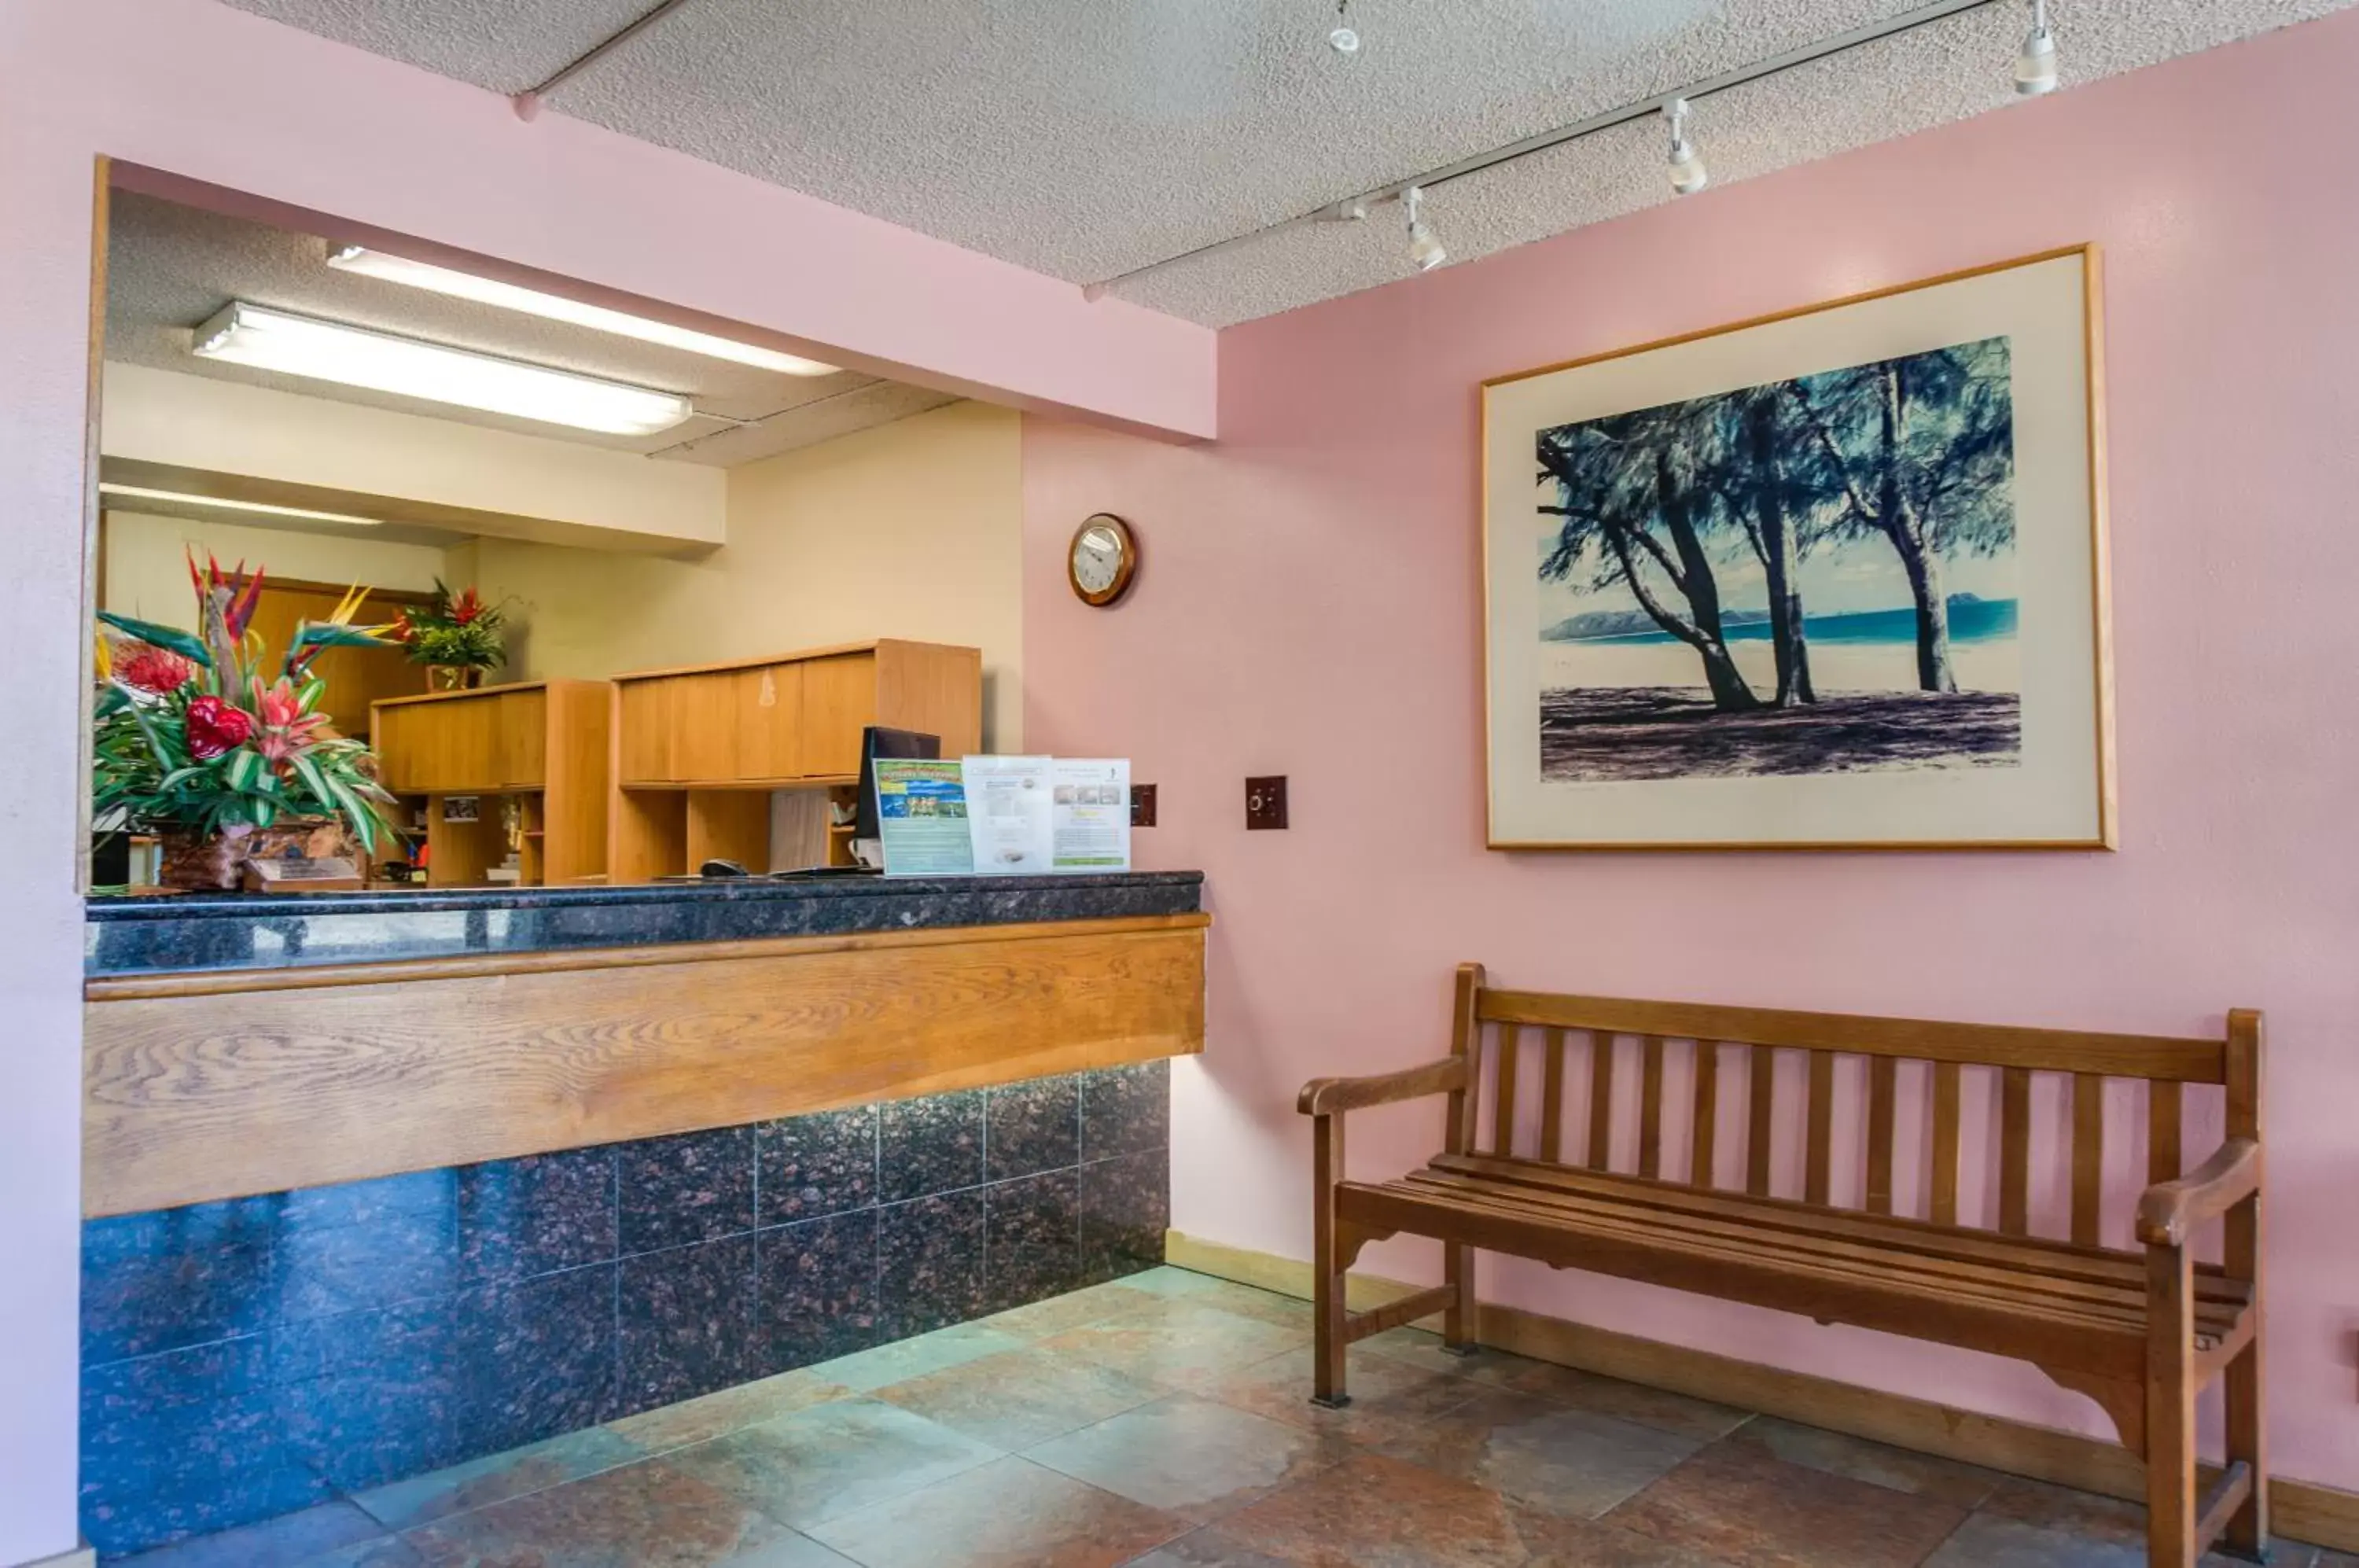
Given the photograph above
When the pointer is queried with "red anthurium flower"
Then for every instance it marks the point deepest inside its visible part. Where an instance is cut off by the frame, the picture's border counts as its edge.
(214, 726)
(156, 669)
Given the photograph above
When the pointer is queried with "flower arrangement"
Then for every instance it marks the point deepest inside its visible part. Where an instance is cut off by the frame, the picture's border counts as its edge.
(193, 740)
(457, 632)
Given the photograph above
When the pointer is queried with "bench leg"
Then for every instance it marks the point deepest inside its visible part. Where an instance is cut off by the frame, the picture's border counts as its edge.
(2247, 1534)
(1328, 1267)
(2171, 1494)
(1458, 1322)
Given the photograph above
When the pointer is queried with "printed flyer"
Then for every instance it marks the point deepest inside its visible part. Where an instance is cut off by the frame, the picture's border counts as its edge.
(922, 816)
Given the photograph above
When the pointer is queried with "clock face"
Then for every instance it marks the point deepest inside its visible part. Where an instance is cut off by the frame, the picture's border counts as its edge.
(1103, 559)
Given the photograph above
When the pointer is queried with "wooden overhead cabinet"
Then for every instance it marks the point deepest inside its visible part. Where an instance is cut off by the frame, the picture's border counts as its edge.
(698, 751)
(545, 742)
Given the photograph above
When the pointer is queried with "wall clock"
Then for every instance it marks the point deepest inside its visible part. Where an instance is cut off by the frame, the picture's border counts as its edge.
(1104, 560)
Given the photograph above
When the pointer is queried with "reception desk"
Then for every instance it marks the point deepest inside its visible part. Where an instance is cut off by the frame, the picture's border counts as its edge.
(239, 1045)
(383, 1183)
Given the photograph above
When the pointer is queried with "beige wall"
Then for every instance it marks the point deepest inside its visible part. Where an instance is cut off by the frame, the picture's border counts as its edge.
(913, 529)
(147, 571)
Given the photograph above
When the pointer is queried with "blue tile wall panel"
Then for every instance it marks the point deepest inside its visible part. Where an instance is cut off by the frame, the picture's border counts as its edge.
(245, 1359)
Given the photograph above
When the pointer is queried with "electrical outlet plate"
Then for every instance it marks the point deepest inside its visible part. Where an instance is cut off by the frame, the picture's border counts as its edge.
(1266, 801)
(1142, 805)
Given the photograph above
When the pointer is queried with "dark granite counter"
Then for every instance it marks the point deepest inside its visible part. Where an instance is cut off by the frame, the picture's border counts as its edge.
(230, 930)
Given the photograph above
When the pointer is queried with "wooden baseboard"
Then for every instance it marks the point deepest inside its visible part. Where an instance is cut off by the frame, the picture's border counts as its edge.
(80, 1557)
(2301, 1510)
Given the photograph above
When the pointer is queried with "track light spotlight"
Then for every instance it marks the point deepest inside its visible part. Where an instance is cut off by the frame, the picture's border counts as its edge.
(2035, 67)
(1687, 173)
(1423, 248)
(1344, 40)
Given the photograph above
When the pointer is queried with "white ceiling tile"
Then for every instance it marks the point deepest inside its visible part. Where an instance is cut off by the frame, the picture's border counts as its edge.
(1083, 139)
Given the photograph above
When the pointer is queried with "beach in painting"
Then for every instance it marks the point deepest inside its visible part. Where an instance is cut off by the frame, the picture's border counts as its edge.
(1626, 707)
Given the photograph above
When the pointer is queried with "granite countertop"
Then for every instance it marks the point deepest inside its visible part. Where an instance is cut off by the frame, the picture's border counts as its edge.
(233, 931)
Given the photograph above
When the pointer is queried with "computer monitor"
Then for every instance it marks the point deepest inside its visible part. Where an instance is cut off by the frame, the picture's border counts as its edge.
(875, 742)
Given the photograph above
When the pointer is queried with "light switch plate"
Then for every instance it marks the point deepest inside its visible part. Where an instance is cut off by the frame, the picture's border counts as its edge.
(1266, 801)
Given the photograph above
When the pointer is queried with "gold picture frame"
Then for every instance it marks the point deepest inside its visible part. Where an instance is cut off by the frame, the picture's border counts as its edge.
(2056, 788)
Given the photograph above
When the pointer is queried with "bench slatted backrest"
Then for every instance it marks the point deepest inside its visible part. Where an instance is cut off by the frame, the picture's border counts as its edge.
(1579, 1039)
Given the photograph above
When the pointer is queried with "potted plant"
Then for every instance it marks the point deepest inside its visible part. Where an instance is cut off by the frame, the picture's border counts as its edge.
(194, 743)
(456, 638)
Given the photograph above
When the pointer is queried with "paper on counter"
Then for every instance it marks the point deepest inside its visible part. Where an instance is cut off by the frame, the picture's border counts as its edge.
(1009, 814)
(1093, 813)
(921, 812)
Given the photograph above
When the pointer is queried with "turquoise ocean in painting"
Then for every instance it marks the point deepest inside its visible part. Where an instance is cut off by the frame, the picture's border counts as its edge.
(1971, 621)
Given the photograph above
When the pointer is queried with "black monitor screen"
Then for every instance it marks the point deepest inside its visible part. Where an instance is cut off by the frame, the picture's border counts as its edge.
(875, 743)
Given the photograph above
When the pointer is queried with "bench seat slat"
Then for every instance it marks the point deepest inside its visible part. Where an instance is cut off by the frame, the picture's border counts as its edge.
(2029, 1255)
(2050, 1337)
(2122, 1301)
(1834, 1284)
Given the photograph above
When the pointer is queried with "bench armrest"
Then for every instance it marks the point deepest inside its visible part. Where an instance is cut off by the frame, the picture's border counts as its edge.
(1326, 1096)
(2170, 1210)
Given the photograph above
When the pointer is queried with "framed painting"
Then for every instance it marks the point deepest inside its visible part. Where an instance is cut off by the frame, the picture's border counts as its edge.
(1829, 579)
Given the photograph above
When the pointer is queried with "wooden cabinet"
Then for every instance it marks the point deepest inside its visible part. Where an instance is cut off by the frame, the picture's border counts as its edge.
(547, 742)
(789, 721)
(840, 700)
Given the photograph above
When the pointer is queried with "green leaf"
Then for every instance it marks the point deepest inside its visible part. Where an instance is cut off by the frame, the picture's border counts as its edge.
(239, 769)
(313, 778)
(313, 690)
(152, 732)
(171, 638)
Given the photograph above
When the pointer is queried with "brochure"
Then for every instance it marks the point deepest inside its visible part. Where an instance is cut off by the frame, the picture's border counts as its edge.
(1093, 813)
(1009, 814)
(921, 814)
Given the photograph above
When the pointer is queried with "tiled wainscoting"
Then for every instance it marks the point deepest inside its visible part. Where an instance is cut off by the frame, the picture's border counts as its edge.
(247, 1358)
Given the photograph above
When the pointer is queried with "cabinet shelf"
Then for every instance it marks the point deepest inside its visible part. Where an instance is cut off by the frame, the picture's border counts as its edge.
(544, 742)
(700, 752)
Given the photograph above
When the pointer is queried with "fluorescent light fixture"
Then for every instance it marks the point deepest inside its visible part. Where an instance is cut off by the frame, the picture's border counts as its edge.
(183, 498)
(557, 308)
(328, 351)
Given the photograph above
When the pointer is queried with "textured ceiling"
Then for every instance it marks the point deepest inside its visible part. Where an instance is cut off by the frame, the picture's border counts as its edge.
(169, 267)
(1085, 137)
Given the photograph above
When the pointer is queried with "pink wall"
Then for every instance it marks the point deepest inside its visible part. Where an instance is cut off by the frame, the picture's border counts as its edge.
(1309, 605)
(199, 91)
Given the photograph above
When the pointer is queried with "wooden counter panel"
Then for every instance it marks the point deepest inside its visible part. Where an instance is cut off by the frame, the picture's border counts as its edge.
(219, 1086)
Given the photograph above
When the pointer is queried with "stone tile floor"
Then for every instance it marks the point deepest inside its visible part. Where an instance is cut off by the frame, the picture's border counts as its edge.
(1161, 1422)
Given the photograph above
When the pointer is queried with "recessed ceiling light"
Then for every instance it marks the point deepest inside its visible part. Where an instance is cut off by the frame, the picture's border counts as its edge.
(1345, 40)
(557, 308)
(183, 498)
(329, 350)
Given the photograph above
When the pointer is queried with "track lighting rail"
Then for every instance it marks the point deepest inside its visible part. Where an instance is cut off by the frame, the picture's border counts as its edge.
(527, 103)
(1358, 206)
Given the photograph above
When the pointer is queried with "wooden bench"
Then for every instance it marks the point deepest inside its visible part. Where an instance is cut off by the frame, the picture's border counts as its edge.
(2140, 1334)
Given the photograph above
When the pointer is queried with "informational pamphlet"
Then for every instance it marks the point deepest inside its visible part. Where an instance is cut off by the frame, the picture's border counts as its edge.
(1009, 814)
(922, 815)
(1093, 813)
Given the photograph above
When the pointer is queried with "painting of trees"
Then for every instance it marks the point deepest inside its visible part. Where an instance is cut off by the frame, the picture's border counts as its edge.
(1830, 577)
(1894, 470)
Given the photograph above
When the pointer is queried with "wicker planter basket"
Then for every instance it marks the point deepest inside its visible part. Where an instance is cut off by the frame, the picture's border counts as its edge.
(219, 861)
